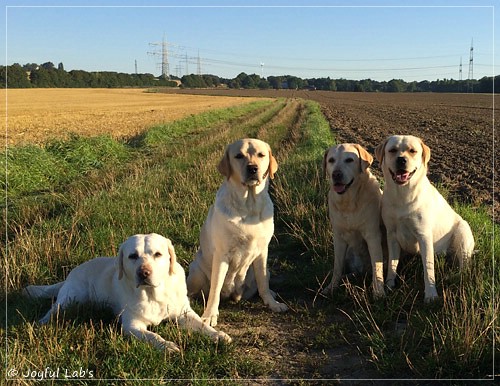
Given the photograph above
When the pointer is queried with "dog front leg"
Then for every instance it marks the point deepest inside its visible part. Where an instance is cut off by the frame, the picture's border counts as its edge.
(377, 260)
(262, 279)
(191, 320)
(218, 275)
(394, 252)
(140, 331)
(340, 250)
(427, 252)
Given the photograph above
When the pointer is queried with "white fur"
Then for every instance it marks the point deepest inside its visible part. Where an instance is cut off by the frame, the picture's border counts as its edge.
(144, 285)
(354, 210)
(232, 258)
(417, 217)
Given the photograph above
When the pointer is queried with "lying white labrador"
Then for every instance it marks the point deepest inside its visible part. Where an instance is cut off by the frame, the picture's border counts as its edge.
(232, 258)
(354, 210)
(417, 217)
(144, 285)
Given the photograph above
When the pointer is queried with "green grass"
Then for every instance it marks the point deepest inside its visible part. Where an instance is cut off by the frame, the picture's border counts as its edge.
(71, 201)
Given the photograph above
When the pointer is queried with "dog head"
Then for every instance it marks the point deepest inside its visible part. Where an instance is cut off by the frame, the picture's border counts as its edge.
(402, 157)
(146, 260)
(248, 162)
(344, 163)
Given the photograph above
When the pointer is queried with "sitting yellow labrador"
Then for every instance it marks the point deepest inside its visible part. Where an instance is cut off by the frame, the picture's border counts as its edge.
(417, 217)
(354, 210)
(232, 259)
(144, 285)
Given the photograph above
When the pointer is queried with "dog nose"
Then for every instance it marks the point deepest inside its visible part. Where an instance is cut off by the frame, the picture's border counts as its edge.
(401, 161)
(144, 272)
(337, 175)
(252, 169)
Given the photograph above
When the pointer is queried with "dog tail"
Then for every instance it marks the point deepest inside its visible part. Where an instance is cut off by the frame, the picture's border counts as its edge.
(43, 291)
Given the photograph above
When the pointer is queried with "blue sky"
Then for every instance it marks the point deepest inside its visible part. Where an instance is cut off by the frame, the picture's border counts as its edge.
(380, 40)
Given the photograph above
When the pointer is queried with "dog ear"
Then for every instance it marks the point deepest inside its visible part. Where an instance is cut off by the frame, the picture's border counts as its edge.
(366, 158)
(120, 262)
(324, 162)
(224, 166)
(426, 153)
(273, 164)
(173, 256)
(380, 151)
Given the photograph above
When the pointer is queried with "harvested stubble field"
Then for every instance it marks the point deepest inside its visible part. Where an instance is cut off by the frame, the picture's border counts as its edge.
(37, 115)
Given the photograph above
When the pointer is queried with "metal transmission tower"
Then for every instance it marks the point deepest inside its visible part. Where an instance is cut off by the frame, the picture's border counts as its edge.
(460, 76)
(471, 68)
(163, 53)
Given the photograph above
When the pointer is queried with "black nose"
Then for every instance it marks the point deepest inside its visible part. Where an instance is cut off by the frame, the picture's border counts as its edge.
(252, 169)
(401, 161)
(337, 175)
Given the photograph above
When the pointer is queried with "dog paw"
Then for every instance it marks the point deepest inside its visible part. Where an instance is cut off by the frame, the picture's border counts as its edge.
(278, 307)
(390, 283)
(430, 295)
(209, 320)
(222, 337)
(378, 293)
(170, 346)
(328, 291)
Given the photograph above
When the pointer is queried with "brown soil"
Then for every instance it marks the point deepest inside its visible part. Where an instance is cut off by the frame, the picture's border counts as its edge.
(459, 129)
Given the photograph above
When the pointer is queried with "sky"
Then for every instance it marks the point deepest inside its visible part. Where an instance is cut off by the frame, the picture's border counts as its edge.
(378, 39)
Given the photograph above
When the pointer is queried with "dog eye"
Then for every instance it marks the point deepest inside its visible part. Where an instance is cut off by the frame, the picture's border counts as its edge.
(349, 160)
(413, 151)
(261, 155)
(133, 256)
(239, 156)
(157, 254)
(393, 150)
(331, 160)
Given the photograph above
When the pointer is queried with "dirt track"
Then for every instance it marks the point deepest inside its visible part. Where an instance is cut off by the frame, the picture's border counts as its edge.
(459, 129)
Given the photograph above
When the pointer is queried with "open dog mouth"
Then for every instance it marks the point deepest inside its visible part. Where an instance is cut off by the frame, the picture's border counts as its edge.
(402, 176)
(341, 188)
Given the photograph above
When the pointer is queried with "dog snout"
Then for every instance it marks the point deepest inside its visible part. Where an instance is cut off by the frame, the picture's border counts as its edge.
(252, 169)
(401, 162)
(144, 272)
(337, 175)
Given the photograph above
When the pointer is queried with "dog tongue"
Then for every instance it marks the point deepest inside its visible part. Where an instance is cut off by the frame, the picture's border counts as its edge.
(339, 188)
(402, 176)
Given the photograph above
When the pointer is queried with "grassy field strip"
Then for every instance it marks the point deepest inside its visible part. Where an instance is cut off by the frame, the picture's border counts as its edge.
(163, 181)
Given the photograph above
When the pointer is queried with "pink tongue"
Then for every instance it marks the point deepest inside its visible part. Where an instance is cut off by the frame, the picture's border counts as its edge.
(402, 177)
(339, 188)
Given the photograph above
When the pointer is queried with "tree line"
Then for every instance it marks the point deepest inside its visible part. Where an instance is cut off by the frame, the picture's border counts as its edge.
(253, 81)
(48, 75)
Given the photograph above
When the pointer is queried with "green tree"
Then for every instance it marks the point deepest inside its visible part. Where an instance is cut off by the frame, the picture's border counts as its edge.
(14, 76)
(395, 85)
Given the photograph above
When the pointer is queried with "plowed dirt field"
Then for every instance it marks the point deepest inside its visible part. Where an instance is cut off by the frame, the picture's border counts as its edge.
(459, 129)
